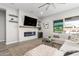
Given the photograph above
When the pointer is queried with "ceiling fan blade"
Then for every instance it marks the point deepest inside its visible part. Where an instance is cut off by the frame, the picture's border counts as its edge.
(53, 5)
(61, 3)
(42, 5)
(47, 7)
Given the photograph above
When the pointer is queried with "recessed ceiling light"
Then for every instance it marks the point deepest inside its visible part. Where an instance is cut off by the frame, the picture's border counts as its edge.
(41, 13)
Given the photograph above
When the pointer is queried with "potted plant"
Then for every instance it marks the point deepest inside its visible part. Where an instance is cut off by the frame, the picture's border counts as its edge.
(49, 37)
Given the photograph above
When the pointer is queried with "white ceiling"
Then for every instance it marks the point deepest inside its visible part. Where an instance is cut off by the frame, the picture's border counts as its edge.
(41, 12)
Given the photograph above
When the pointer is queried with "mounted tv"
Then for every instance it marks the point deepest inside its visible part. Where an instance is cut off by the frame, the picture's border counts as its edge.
(29, 21)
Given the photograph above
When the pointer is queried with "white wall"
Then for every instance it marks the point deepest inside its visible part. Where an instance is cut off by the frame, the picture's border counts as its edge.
(27, 29)
(2, 25)
(20, 31)
(11, 28)
(49, 31)
(62, 15)
(8, 29)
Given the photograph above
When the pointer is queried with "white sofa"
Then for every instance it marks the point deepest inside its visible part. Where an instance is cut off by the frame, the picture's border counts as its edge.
(59, 38)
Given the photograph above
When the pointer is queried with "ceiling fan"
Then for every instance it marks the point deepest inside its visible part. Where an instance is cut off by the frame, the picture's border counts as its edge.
(48, 5)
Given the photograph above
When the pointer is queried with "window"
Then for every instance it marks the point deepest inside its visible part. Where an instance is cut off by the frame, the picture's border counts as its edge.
(58, 26)
(71, 25)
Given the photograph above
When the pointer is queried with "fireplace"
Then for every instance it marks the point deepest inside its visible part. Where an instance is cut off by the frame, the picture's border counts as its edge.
(29, 34)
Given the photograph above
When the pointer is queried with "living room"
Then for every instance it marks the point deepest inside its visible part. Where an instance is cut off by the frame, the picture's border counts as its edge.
(52, 26)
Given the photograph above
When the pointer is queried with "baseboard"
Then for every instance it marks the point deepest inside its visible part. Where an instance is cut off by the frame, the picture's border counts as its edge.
(7, 43)
(2, 40)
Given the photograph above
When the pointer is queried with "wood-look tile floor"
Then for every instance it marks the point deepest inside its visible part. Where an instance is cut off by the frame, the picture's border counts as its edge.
(18, 49)
(4, 50)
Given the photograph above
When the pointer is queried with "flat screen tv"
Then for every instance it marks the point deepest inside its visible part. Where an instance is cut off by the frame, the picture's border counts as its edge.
(29, 21)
